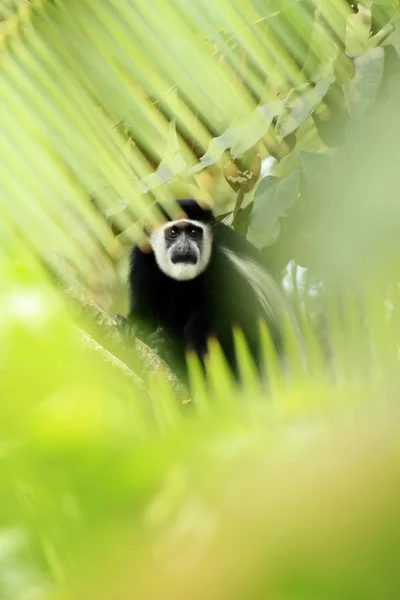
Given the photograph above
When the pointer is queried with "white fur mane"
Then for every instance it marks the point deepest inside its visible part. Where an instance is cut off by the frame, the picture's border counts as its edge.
(268, 292)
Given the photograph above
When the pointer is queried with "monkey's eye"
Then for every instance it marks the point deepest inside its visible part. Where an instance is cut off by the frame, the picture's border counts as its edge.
(194, 232)
(174, 232)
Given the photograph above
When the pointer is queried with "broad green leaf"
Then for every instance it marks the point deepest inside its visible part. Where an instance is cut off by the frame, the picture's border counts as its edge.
(358, 31)
(381, 13)
(300, 103)
(242, 137)
(313, 167)
(272, 199)
(360, 92)
(394, 39)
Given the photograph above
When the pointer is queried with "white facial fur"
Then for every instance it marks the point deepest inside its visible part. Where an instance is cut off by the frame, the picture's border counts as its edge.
(181, 271)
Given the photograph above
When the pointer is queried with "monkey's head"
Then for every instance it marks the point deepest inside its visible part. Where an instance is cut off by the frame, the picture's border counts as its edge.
(182, 248)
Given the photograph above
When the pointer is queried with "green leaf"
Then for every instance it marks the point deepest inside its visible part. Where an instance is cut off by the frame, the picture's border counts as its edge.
(381, 13)
(272, 199)
(360, 93)
(242, 137)
(313, 166)
(300, 103)
(358, 31)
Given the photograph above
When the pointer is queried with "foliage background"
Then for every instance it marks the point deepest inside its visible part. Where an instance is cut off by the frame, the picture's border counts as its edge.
(111, 485)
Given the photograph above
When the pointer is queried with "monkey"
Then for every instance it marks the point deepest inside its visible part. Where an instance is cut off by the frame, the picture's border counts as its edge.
(200, 280)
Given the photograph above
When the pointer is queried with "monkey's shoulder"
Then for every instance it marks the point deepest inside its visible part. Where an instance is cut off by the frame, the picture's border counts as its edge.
(227, 238)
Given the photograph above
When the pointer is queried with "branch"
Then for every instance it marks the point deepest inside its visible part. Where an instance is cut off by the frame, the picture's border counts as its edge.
(149, 359)
(91, 343)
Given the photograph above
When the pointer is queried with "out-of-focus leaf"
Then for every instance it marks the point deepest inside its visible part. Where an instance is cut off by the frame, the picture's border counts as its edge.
(242, 174)
(358, 31)
(241, 137)
(361, 91)
(300, 104)
(313, 166)
(331, 120)
(272, 199)
(359, 194)
(381, 12)
(394, 39)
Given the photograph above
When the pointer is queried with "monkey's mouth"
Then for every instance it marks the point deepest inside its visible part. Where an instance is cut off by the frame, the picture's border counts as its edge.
(185, 259)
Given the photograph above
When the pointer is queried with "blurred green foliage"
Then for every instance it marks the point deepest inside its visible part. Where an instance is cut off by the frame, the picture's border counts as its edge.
(113, 485)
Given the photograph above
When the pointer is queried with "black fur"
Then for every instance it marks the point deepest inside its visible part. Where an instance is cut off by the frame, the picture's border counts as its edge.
(184, 314)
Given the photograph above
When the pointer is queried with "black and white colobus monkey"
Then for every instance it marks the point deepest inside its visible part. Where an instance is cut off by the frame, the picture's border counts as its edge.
(201, 279)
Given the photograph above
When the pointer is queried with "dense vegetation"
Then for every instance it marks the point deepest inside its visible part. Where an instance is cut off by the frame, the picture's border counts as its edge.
(116, 482)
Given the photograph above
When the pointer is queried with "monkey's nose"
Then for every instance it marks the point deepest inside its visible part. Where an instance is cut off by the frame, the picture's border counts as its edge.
(184, 256)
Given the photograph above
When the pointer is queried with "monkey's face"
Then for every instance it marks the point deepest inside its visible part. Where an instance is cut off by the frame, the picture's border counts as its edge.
(182, 248)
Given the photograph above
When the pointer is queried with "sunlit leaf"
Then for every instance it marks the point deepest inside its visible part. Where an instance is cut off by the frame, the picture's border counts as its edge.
(272, 199)
(361, 91)
(300, 104)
